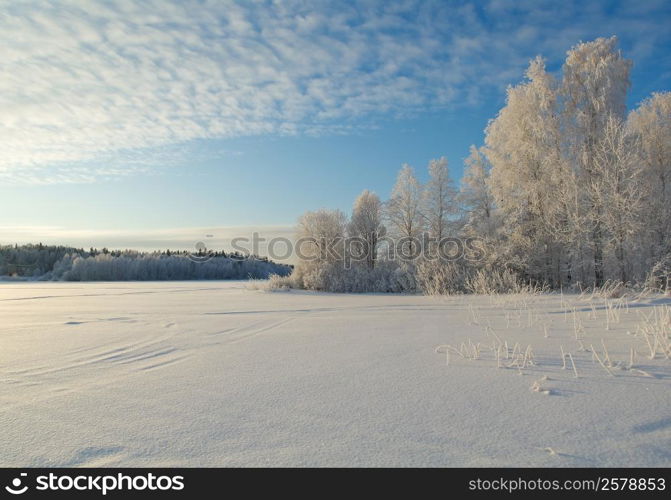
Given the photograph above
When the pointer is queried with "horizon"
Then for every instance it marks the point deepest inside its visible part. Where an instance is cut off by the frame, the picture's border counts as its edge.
(114, 137)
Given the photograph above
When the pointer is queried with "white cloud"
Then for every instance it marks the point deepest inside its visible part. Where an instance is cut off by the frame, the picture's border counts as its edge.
(83, 81)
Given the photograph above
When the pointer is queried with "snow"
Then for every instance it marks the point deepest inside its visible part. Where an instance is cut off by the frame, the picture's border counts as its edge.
(216, 374)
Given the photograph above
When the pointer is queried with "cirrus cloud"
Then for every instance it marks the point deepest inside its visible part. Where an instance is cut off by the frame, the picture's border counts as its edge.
(86, 80)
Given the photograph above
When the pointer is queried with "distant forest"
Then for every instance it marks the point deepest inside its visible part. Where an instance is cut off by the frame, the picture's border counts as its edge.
(48, 262)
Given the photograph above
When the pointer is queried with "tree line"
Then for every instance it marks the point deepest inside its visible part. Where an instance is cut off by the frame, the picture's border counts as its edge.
(49, 262)
(569, 189)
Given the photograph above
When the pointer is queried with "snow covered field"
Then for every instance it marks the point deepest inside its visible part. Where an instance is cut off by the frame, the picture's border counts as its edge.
(214, 374)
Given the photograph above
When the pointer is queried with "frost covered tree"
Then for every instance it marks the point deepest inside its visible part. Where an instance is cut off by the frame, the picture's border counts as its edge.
(439, 200)
(366, 224)
(404, 207)
(616, 191)
(136, 266)
(523, 145)
(651, 123)
(594, 87)
(323, 234)
(320, 247)
(72, 264)
(567, 190)
(475, 196)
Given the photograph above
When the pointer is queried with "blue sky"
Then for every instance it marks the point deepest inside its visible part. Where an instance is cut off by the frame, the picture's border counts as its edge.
(146, 123)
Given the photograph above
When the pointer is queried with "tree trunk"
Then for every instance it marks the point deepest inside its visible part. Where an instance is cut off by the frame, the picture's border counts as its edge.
(598, 257)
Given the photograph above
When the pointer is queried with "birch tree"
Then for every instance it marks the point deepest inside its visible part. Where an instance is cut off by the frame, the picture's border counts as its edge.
(617, 191)
(366, 224)
(323, 232)
(594, 87)
(475, 196)
(404, 207)
(651, 123)
(523, 146)
(439, 202)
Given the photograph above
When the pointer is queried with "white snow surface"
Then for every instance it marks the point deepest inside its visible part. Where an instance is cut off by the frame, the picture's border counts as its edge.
(216, 374)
